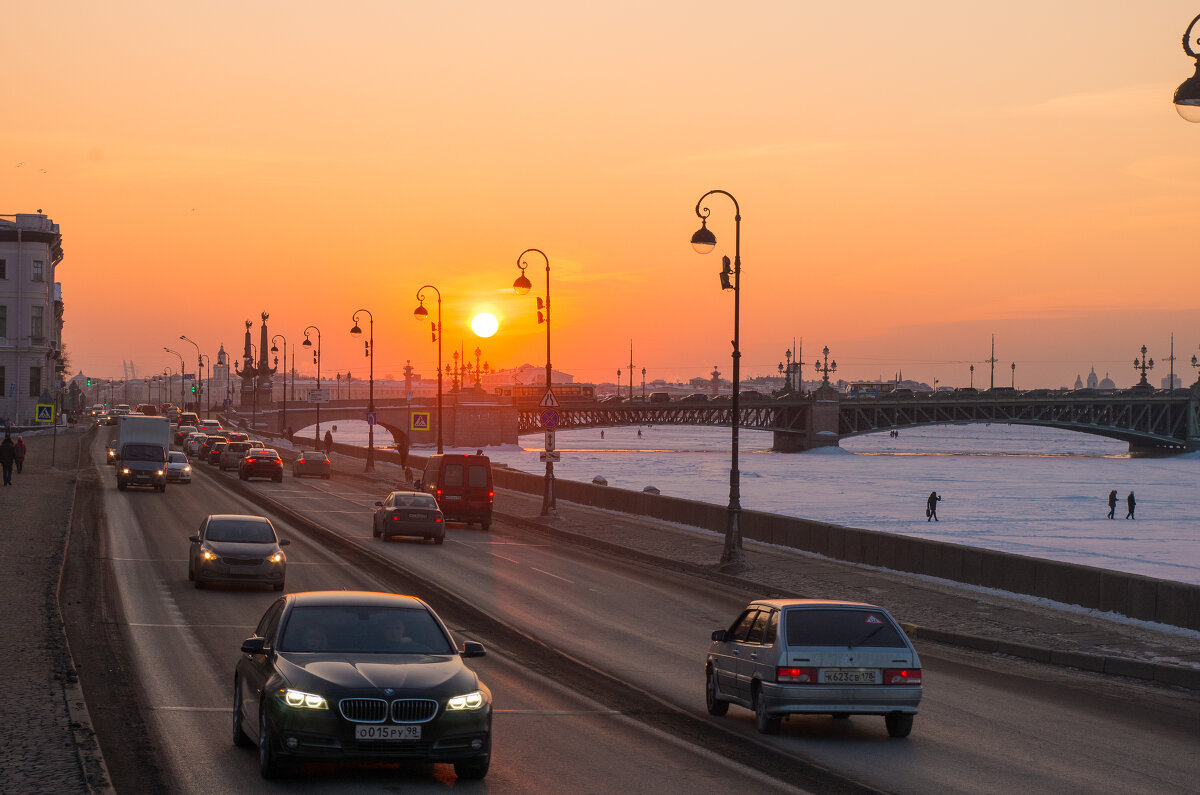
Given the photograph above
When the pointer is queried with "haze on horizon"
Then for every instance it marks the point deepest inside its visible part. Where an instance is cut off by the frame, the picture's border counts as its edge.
(912, 179)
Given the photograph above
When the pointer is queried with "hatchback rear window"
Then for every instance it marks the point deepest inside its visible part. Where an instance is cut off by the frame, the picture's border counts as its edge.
(841, 628)
(454, 475)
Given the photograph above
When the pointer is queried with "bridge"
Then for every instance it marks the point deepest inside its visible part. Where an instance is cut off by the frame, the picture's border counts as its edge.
(1149, 421)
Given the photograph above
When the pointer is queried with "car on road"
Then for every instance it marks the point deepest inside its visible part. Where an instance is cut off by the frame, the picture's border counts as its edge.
(695, 397)
(312, 462)
(232, 455)
(179, 469)
(215, 450)
(206, 444)
(783, 657)
(261, 463)
(409, 513)
(462, 485)
(356, 676)
(236, 548)
(235, 436)
(110, 452)
(181, 434)
(209, 426)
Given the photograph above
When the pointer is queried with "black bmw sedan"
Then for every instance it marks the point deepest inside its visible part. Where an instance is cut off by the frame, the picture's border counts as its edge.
(358, 676)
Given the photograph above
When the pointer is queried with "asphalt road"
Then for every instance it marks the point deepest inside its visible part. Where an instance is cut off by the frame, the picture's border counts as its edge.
(986, 724)
(183, 644)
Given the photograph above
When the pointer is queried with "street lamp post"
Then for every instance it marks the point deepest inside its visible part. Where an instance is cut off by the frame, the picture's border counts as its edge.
(207, 365)
(733, 559)
(1187, 96)
(370, 353)
(522, 286)
(275, 349)
(972, 376)
(199, 372)
(1144, 365)
(421, 313)
(316, 360)
(1013, 385)
(180, 355)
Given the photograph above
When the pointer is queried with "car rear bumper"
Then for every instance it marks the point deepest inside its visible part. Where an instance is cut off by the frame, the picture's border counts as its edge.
(413, 529)
(855, 700)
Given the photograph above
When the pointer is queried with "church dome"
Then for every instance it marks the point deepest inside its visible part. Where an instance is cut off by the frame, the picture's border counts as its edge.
(1107, 383)
(1092, 380)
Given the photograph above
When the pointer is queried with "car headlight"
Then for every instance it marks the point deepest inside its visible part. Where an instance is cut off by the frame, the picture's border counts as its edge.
(125, 471)
(187, 468)
(469, 701)
(277, 557)
(159, 472)
(208, 554)
(300, 699)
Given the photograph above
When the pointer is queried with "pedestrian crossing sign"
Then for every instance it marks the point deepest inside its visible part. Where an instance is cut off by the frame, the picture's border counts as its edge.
(45, 412)
(418, 421)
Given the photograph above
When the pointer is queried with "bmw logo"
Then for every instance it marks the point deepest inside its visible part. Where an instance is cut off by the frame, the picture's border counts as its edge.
(389, 692)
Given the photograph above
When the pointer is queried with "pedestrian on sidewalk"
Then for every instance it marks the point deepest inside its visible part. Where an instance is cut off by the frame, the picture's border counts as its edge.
(1132, 503)
(931, 507)
(19, 449)
(1112, 503)
(328, 442)
(8, 455)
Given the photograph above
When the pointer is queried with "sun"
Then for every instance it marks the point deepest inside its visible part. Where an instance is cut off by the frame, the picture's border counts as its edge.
(485, 324)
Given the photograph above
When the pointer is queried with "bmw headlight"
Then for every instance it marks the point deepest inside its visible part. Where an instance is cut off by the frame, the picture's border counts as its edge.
(300, 699)
(469, 701)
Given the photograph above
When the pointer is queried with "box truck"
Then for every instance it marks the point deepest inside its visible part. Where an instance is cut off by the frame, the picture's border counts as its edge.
(142, 446)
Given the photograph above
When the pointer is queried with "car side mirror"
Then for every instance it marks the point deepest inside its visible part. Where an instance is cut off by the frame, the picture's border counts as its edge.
(253, 645)
(472, 649)
(194, 539)
(378, 504)
(720, 635)
(283, 542)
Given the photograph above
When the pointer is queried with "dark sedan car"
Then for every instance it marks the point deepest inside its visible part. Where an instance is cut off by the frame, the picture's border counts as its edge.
(357, 676)
(214, 451)
(234, 548)
(409, 513)
(312, 462)
(262, 463)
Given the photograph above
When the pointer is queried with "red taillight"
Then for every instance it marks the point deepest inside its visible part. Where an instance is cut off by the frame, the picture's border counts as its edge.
(438, 494)
(797, 676)
(327, 462)
(395, 518)
(436, 520)
(491, 495)
(902, 676)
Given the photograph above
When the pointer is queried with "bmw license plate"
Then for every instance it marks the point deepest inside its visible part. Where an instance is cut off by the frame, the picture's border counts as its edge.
(377, 732)
(850, 676)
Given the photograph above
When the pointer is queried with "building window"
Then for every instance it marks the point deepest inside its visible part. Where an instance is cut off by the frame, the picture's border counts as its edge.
(3, 269)
(35, 382)
(38, 268)
(37, 322)
(3, 320)
(3, 384)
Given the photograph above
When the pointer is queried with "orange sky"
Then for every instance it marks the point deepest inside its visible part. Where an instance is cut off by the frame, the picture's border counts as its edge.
(913, 178)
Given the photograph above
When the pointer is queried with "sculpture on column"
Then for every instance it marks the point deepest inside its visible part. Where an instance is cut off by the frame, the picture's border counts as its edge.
(257, 384)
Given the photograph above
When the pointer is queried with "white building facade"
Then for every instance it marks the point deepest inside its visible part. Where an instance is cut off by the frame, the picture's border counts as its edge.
(31, 315)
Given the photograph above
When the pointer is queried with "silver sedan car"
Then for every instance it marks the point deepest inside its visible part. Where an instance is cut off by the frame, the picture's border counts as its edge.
(782, 657)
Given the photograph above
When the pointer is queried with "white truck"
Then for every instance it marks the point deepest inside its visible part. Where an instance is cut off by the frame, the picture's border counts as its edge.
(142, 446)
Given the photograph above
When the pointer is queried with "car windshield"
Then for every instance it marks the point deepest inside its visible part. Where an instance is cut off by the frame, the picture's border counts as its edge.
(143, 452)
(352, 629)
(843, 628)
(240, 531)
(177, 458)
(411, 499)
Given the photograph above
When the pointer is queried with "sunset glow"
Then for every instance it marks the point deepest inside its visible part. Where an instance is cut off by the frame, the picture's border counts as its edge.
(912, 179)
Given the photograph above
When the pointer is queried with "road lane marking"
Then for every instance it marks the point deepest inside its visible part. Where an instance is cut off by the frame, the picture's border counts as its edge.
(510, 560)
(555, 576)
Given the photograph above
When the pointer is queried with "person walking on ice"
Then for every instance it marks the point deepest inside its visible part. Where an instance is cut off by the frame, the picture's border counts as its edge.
(1132, 503)
(931, 507)
(1112, 504)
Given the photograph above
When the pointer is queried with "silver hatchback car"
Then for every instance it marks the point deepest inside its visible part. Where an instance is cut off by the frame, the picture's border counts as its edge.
(782, 657)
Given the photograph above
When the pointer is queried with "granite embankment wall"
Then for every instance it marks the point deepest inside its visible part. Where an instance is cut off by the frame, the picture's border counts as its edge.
(1145, 598)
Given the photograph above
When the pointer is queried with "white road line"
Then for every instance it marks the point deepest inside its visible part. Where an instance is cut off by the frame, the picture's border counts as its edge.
(510, 560)
(548, 574)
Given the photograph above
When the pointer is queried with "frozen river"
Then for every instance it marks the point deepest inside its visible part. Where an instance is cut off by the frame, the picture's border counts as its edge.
(1031, 491)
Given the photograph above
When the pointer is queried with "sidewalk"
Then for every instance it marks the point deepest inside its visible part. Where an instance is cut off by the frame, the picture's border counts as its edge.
(44, 729)
(933, 610)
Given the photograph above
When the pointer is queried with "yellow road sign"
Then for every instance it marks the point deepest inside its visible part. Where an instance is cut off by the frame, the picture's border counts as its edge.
(418, 421)
(45, 412)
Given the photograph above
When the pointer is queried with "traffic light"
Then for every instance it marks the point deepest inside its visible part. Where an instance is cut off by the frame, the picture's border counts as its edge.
(89, 382)
(193, 389)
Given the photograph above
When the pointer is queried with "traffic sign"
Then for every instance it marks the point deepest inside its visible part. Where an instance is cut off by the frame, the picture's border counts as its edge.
(549, 401)
(372, 418)
(554, 456)
(228, 401)
(549, 441)
(45, 412)
(318, 396)
(418, 421)
(549, 418)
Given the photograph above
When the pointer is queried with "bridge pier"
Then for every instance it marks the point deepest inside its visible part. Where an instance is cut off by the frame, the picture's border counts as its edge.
(823, 426)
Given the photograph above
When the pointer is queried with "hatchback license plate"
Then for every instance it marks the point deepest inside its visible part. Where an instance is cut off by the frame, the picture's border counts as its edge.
(376, 732)
(850, 676)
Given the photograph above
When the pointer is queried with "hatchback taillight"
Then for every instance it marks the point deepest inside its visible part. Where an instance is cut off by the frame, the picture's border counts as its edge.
(796, 676)
(902, 676)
